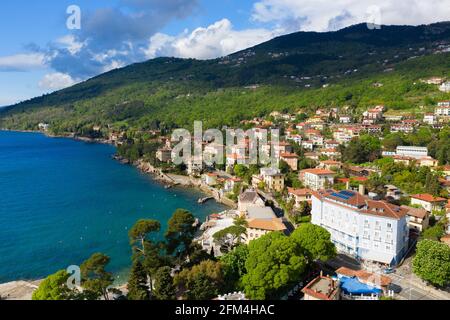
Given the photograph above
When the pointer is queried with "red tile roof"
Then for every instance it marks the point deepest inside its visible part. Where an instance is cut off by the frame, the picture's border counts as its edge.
(318, 171)
(365, 276)
(300, 192)
(428, 197)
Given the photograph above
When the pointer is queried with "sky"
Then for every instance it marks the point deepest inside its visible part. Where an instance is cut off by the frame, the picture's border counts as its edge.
(48, 45)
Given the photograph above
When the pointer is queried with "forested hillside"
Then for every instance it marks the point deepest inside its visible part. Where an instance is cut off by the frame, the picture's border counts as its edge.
(355, 66)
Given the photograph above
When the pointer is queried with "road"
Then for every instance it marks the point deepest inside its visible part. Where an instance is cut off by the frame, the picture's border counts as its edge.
(411, 287)
(410, 290)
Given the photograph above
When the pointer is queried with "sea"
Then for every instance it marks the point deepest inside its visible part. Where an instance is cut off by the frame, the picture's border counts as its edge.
(62, 200)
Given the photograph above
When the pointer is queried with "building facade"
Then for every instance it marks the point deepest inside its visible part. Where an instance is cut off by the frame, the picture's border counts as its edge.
(317, 179)
(364, 228)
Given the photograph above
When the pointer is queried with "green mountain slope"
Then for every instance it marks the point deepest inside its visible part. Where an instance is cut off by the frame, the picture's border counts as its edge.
(285, 73)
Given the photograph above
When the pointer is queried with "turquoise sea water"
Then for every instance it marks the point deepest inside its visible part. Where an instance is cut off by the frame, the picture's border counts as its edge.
(62, 200)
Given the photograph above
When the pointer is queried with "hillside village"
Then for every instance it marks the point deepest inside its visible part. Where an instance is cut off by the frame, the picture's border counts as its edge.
(360, 177)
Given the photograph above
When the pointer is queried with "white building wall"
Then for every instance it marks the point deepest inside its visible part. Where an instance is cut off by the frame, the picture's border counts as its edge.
(364, 236)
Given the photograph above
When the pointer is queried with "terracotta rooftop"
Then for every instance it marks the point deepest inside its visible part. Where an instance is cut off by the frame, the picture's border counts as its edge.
(288, 155)
(364, 276)
(362, 204)
(274, 224)
(318, 172)
(300, 192)
(416, 212)
(428, 197)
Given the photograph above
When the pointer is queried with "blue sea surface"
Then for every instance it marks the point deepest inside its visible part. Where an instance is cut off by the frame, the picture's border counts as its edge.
(62, 200)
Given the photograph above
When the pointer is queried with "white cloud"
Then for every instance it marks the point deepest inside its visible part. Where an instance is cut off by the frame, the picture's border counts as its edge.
(22, 62)
(70, 43)
(56, 81)
(323, 15)
(216, 40)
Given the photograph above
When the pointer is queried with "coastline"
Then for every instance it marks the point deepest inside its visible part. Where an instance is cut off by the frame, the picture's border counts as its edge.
(20, 288)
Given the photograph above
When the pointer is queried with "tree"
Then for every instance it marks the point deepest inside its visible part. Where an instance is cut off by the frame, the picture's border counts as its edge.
(432, 262)
(392, 141)
(54, 287)
(315, 241)
(165, 288)
(180, 232)
(367, 148)
(95, 279)
(139, 233)
(435, 232)
(229, 237)
(234, 267)
(201, 282)
(137, 283)
(197, 255)
(284, 167)
(274, 262)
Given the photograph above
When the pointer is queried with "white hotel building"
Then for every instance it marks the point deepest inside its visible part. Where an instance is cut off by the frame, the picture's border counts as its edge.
(366, 229)
(412, 151)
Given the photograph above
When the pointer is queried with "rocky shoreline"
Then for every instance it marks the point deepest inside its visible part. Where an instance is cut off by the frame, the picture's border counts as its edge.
(23, 289)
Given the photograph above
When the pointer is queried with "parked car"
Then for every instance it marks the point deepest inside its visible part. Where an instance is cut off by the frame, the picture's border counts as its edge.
(388, 270)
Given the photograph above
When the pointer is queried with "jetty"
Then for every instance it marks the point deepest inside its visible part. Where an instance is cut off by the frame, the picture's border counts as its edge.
(205, 199)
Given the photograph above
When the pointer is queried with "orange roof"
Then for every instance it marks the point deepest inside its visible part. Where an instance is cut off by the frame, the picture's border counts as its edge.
(274, 224)
(318, 171)
(428, 197)
(362, 204)
(288, 155)
(364, 276)
(331, 162)
(300, 192)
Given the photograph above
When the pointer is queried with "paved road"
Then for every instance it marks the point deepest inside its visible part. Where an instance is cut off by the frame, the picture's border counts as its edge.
(410, 290)
(402, 278)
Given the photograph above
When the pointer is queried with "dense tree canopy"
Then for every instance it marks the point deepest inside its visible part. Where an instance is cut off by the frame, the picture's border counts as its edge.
(54, 287)
(315, 241)
(274, 261)
(432, 262)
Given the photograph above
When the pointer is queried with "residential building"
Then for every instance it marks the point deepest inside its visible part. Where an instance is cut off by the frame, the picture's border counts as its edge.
(210, 179)
(445, 87)
(443, 109)
(393, 192)
(249, 198)
(393, 118)
(444, 103)
(331, 153)
(345, 119)
(366, 229)
(434, 80)
(312, 155)
(430, 118)
(43, 126)
(429, 202)
(300, 195)
(230, 183)
(317, 179)
(261, 221)
(428, 162)
(164, 155)
(274, 181)
(403, 128)
(308, 145)
(418, 219)
(412, 151)
(291, 159)
(330, 164)
(322, 288)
